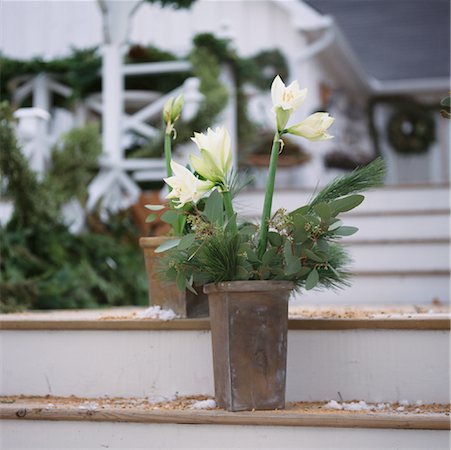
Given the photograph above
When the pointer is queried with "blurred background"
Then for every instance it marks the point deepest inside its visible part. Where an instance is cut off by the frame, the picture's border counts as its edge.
(83, 84)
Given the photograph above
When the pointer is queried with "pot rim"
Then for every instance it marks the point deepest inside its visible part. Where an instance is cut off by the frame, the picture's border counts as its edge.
(249, 286)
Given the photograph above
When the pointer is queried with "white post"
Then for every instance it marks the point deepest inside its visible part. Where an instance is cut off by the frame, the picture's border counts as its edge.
(112, 92)
(41, 92)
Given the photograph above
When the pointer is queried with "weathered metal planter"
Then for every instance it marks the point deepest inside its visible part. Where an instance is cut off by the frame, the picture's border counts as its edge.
(249, 322)
(166, 294)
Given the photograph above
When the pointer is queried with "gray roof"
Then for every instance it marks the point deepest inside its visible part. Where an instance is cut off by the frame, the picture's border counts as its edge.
(395, 39)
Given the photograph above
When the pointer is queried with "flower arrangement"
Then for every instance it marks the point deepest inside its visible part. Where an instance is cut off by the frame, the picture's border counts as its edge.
(212, 244)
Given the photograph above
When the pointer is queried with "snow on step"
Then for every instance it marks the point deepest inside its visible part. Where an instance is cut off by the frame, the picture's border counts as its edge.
(135, 423)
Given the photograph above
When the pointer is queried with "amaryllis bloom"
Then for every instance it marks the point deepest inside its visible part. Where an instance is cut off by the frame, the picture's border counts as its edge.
(286, 100)
(216, 154)
(185, 186)
(314, 127)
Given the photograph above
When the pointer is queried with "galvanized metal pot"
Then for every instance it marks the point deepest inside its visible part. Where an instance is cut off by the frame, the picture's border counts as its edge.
(165, 294)
(249, 323)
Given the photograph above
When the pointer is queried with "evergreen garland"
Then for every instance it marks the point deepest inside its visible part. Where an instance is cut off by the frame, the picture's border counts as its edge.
(43, 264)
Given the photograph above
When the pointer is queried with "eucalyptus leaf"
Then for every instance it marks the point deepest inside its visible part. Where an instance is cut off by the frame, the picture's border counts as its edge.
(186, 241)
(312, 280)
(346, 203)
(312, 255)
(167, 245)
(269, 256)
(300, 234)
(151, 218)
(346, 231)
(323, 210)
(293, 265)
(335, 225)
(180, 281)
(171, 217)
(301, 210)
(275, 239)
(154, 207)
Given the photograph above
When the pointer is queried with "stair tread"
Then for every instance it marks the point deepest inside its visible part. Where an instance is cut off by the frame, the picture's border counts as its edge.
(301, 318)
(180, 411)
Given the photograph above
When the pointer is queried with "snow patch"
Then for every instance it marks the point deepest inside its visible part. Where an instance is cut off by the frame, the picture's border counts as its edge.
(404, 403)
(333, 405)
(155, 312)
(89, 406)
(356, 406)
(204, 404)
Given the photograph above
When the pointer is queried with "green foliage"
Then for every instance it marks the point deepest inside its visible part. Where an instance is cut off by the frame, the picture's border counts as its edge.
(80, 70)
(304, 246)
(33, 202)
(74, 164)
(43, 265)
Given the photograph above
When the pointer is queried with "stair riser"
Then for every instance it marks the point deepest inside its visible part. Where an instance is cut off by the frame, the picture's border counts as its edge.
(46, 434)
(400, 257)
(388, 200)
(382, 290)
(365, 364)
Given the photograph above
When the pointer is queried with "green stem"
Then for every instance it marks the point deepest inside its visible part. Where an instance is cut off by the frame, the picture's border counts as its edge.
(263, 238)
(168, 154)
(229, 208)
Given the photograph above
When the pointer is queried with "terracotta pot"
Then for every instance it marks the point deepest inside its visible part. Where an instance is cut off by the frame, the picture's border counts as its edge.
(249, 322)
(166, 294)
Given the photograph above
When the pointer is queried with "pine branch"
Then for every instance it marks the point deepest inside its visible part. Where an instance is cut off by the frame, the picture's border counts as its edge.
(359, 180)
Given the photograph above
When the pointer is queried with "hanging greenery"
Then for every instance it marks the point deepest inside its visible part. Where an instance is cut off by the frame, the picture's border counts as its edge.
(80, 71)
(43, 264)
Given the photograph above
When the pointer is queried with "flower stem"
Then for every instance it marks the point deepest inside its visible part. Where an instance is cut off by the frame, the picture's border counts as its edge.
(263, 238)
(229, 209)
(168, 155)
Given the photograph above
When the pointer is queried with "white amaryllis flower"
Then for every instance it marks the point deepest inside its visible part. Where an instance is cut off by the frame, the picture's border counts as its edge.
(286, 100)
(185, 186)
(216, 154)
(314, 127)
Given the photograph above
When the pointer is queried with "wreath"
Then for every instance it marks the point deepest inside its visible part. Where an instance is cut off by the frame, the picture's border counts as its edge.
(411, 129)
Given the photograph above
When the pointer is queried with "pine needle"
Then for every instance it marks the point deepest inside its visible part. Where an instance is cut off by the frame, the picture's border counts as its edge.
(359, 180)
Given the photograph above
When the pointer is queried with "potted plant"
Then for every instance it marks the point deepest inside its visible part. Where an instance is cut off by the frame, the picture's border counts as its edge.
(163, 293)
(249, 271)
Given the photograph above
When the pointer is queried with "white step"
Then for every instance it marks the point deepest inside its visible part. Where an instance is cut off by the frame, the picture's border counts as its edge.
(382, 200)
(413, 255)
(401, 227)
(385, 288)
(32, 424)
(386, 359)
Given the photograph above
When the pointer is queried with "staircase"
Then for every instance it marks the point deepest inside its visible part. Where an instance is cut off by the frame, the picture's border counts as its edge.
(107, 379)
(112, 362)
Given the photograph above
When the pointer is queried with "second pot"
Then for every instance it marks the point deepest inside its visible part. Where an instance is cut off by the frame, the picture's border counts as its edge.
(166, 294)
